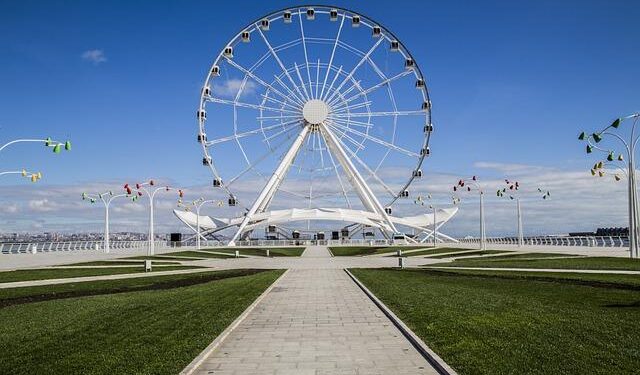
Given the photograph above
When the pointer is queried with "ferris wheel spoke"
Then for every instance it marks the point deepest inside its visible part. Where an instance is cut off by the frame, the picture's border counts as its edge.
(333, 52)
(342, 95)
(317, 83)
(296, 122)
(248, 105)
(362, 60)
(299, 116)
(333, 81)
(252, 165)
(256, 78)
(306, 57)
(275, 56)
(346, 109)
(368, 169)
(304, 86)
(377, 86)
(274, 100)
(248, 133)
(301, 101)
(381, 114)
(344, 134)
(376, 140)
(349, 122)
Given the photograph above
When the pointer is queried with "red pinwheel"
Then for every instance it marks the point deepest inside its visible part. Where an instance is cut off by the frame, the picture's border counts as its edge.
(151, 182)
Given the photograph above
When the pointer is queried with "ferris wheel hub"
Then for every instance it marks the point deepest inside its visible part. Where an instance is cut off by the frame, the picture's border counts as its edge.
(315, 111)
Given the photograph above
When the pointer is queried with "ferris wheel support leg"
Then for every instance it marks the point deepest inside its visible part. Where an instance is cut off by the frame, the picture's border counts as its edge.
(363, 190)
(271, 187)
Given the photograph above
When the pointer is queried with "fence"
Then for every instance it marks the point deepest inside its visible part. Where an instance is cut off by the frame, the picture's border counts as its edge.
(47, 247)
(590, 241)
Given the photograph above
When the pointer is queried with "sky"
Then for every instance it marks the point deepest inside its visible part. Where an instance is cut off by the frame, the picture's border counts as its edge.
(512, 84)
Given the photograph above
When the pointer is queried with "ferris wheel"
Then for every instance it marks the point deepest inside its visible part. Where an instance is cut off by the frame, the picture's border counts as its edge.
(314, 107)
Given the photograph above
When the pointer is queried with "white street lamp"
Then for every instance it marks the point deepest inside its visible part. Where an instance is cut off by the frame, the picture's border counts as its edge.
(151, 194)
(198, 205)
(512, 190)
(106, 199)
(629, 146)
(473, 184)
(55, 145)
(33, 176)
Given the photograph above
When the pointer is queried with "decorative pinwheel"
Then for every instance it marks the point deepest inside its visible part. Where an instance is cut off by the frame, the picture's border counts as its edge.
(627, 137)
(106, 198)
(197, 204)
(513, 190)
(468, 185)
(141, 189)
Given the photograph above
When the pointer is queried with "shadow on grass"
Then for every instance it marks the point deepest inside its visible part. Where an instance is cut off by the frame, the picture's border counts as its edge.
(156, 285)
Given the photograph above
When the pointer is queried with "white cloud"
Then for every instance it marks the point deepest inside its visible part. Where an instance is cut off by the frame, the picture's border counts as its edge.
(230, 88)
(42, 205)
(96, 56)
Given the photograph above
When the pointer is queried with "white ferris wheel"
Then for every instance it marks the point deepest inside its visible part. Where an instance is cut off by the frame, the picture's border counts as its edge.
(317, 107)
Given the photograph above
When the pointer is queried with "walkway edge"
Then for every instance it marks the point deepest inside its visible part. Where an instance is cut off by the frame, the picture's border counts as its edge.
(438, 363)
(197, 361)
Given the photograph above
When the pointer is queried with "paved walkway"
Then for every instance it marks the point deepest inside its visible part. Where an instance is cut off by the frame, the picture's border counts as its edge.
(315, 322)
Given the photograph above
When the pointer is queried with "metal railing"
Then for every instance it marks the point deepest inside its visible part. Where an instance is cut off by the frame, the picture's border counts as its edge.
(47, 247)
(584, 241)
(306, 242)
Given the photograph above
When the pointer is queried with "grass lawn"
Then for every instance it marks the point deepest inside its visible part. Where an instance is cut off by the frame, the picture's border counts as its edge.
(424, 252)
(117, 263)
(149, 331)
(471, 253)
(342, 251)
(606, 280)
(162, 258)
(63, 273)
(198, 254)
(593, 263)
(501, 325)
(273, 252)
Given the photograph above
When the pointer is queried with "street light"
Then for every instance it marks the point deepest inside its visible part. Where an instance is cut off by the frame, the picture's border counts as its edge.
(56, 146)
(422, 200)
(33, 176)
(151, 194)
(512, 191)
(629, 146)
(469, 185)
(198, 205)
(106, 199)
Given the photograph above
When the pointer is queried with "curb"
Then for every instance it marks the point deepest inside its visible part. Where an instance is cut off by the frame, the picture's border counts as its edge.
(438, 363)
(197, 361)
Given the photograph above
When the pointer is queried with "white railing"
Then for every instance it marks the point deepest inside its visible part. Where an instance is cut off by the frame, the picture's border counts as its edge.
(585, 241)
(47, 247)
(284, 243)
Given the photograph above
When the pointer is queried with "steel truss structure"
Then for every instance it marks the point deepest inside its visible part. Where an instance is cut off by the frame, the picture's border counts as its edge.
(323, 93)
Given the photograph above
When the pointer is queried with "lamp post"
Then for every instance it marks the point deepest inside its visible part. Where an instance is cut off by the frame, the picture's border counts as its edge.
(48, 142)
(469, 185)
(106, 199)
(198, 205)
(629, 146)
(33, 176)
(512, 190)
(421, 200)
(141, 187)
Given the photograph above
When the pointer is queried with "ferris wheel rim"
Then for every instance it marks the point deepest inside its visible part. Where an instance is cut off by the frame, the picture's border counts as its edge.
(346, 14)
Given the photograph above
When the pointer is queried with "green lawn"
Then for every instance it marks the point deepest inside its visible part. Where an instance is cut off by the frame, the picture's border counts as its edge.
(162, 258)
(199, 254)
(505, 325)
(273, 251)
(152, 331)
(117, 263)
(63, 273)
(593, 279)
(594, 263)
(439, 250)
(471, 253)
(368, 250)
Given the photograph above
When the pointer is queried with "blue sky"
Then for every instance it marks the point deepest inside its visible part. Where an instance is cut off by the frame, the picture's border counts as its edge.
(512, 83)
